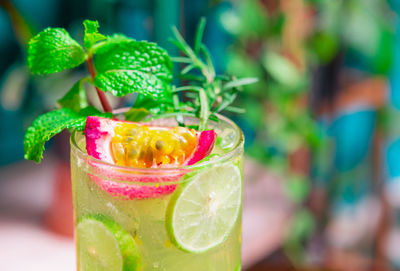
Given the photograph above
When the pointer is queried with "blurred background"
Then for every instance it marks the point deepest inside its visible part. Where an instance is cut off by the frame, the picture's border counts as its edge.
(322, 125)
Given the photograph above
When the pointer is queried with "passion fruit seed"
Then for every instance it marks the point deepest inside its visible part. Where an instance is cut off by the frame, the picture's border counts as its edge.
(149, 156)
(132, 153)
(132, 132)
(164, 147)
(182, 141)
(141, 155)
(160, 145)
(118, 152)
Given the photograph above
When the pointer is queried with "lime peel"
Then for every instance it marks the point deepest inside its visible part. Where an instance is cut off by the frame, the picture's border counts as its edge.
(104, 245)
(204, 210)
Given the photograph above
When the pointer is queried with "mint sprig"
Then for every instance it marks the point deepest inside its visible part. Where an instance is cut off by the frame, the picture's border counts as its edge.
(116, 64)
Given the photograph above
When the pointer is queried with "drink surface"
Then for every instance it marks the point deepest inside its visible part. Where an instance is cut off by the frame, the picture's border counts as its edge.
(154, 223)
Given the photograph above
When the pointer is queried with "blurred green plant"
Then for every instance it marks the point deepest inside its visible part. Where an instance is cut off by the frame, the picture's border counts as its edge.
(271, 45)
(276, 108)
(361, 27)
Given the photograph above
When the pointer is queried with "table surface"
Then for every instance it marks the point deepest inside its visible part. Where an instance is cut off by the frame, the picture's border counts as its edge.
(25, 194)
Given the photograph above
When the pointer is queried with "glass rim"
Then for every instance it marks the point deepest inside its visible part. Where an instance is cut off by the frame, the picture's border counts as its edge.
(225, 157)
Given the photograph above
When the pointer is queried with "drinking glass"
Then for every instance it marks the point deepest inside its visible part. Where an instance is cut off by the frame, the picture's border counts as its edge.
(171, 219)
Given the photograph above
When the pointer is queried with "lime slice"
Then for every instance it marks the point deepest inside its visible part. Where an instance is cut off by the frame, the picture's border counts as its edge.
(203, 211)
(239, 267)
(105, 245)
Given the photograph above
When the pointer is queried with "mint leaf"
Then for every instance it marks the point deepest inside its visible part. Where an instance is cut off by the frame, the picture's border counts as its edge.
(92, 111)
(45, 127)
(49, 124)
(117, 37)
(158, 103)
(75, 98)
(91, 33)
(121, 83)
(136, 114)
(126, 66)
(53, 50)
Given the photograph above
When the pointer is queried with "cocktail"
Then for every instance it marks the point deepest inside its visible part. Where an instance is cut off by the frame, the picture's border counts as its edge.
(157, 186)
(180, 218)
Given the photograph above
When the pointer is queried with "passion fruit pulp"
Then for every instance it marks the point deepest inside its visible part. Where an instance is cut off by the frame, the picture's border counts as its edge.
(138, 145)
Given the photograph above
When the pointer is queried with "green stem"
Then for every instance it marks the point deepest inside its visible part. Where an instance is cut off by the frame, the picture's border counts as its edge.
(170, 115)
(204, 110)
(102, 96)
(209, 66)
(179, 117)
(180, 59)
(181, 43)
(187, 88)
(23, 31)
(95, 46)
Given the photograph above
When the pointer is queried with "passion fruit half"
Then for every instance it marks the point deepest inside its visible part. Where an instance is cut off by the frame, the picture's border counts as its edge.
(140, 146)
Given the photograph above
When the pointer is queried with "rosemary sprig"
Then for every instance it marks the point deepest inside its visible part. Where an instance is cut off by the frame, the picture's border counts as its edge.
(208, 93)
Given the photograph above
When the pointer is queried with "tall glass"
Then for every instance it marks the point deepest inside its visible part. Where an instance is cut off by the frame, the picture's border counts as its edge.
(154, 219)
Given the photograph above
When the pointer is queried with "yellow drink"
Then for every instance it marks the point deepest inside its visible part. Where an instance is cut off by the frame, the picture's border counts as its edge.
(149, 221)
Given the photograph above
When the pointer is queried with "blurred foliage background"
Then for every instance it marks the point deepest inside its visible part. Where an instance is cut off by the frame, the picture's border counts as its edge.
(322, 117)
